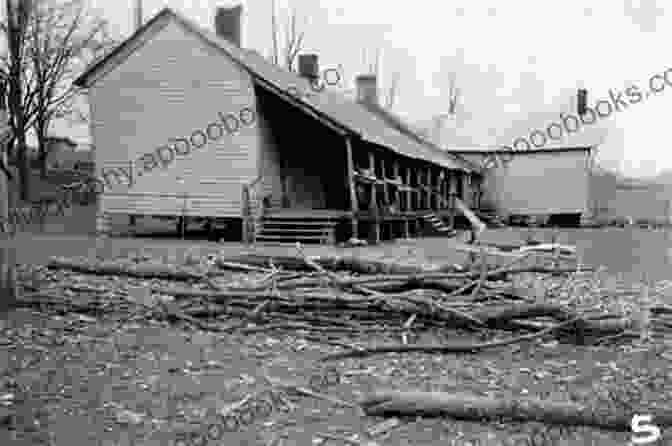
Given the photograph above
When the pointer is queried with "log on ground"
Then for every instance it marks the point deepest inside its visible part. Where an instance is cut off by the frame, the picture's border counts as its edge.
(333, 263)
(475, 408)
(127, 268)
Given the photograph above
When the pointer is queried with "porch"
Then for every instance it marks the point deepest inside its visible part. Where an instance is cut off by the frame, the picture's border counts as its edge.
(278, 225)
(319, 184)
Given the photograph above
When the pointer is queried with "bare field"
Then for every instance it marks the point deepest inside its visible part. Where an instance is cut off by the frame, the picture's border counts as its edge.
(83, 380)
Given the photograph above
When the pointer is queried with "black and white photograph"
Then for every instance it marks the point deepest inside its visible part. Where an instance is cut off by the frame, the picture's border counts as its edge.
(335, 223)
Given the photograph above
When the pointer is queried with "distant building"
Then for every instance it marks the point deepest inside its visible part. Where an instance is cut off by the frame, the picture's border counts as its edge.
(62, 154)
(545, 182)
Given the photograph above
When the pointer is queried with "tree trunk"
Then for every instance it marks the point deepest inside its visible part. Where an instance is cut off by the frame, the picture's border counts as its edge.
(43, 166)
(24, 168)
(19, 12)
(8, 290)
(42, 156)
(522, 409)
(41, 133)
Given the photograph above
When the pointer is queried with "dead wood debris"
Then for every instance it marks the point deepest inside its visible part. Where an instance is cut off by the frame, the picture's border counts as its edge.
(470, 407)
(347, 294)
(336, 296)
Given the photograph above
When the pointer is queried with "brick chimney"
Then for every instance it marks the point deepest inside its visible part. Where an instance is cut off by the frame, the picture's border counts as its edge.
(228, 23)
(308, 66)
(367, 89)
(581, 101)
(137, 14)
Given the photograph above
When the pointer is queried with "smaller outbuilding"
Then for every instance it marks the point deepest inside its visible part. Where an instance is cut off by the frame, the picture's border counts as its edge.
(553, 183)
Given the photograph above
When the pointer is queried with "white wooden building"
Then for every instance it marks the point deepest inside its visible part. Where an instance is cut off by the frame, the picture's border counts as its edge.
(535, 182)
(174, 80)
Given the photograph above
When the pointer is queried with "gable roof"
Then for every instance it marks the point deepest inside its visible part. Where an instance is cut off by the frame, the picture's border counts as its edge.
(333, 109)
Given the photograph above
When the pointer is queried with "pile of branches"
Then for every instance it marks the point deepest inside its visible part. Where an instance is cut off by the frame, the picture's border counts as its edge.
(329, 297)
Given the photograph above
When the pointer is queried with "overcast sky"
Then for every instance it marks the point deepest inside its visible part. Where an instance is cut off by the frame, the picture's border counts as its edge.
(518, 63)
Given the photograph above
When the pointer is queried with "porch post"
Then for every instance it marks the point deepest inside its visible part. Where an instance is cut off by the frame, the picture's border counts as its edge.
(395, 172)
(465, 189)
(434, 198)
(247, 236)
(442, 188)
(386, 190)
(407, 204)
(428, 185)
(354, 207)
(417, 198)
(413, 192)
(451, 198)
(417, 193)
(386, 196)
(374, 203)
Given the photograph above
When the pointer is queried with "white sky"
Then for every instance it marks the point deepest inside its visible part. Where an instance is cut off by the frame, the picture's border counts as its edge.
(517, 62)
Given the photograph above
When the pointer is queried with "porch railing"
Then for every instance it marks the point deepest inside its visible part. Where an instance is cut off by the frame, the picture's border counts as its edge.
(253, 209)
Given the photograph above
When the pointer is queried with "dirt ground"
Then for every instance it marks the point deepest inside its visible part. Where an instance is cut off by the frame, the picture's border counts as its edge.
(73, 379)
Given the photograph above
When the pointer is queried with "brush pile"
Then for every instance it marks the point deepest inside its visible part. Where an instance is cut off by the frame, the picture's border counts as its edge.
(540, 289)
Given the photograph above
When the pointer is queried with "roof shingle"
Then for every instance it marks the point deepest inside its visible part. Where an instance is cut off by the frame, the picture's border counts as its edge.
(375, 126)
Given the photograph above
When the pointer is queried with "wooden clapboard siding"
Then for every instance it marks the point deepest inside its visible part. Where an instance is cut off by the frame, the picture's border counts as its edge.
(552, 182)
(546, 183)
(170, 86)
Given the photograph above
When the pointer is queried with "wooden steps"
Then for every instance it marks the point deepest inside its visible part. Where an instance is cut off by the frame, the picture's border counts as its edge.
(434, 226)
(292, 228)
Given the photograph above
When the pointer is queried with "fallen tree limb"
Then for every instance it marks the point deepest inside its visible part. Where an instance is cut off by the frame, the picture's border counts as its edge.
(335, 279)
(389, 270)
(435, 306)
(365, 266)
(352, 264)
(475, 408)
(462, 347)
(483, 277)
(505, 313)
(420, 279)
(242, 267)
(550, 248)
(140, 270)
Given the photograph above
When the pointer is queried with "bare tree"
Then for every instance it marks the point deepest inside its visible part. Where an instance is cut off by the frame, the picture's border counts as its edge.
(17, 13)
(453, 95)
(274, 34)
(390, 94)
(8, 288)
(293, 40)
(14, 28)
(63, 38)
(52, 41)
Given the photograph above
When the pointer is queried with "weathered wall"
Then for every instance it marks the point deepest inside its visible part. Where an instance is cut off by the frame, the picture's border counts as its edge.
(538, 183)
(173, 85)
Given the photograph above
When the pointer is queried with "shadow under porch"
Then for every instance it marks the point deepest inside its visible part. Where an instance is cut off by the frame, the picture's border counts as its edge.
(319, 183)
(303, 170)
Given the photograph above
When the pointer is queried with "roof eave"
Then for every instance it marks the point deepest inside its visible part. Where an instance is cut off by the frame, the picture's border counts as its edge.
(88, 78)
(84, 79)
